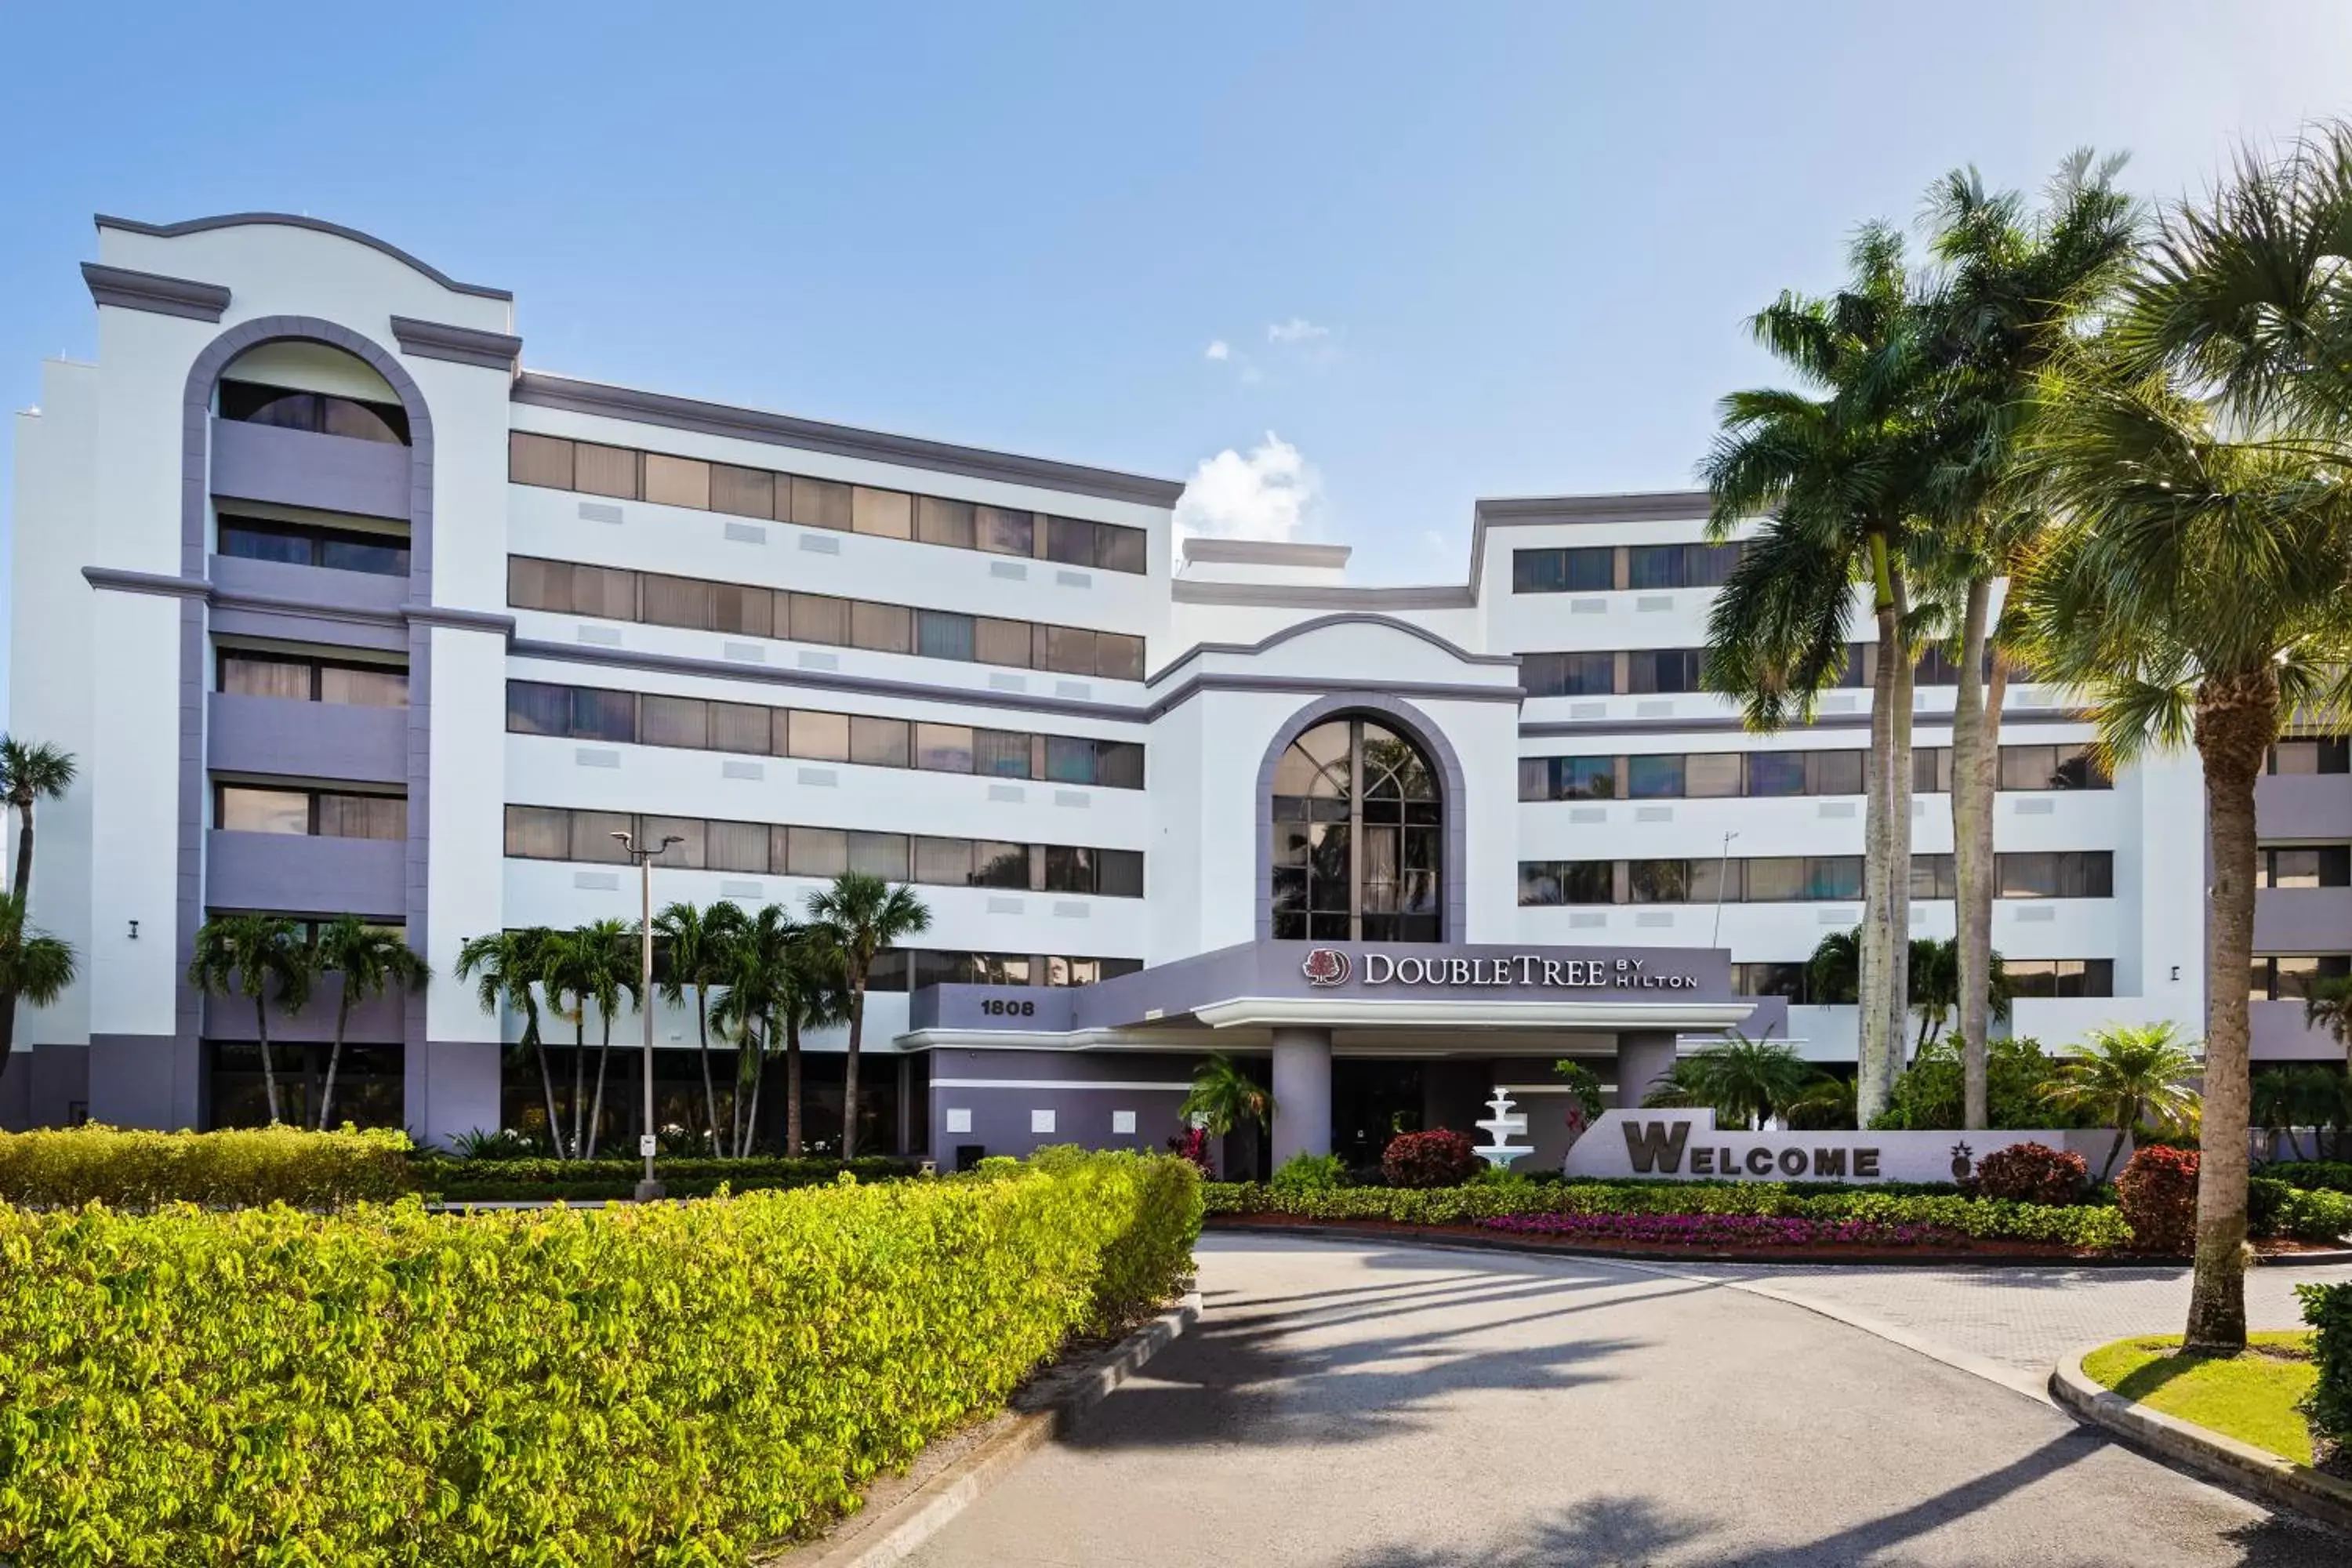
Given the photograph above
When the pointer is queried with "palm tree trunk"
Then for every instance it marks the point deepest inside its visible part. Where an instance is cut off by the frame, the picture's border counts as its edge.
(791, 1085)
(2113, 1150)
(702, 1042)
(1874, 1085)
(334, 1053)
(1974, 717)
(578, 1078)
(1898, 845)
(268, 1070)
(22, 882)
(546, 1083)
(849, 1065)
(604, 1056)
(751, 1118)
(2237, 720)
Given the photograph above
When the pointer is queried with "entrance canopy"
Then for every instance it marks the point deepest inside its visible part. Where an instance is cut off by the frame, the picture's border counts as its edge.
(1413, 998)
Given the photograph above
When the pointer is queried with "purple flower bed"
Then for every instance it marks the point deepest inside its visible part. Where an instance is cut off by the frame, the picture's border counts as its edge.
(1719, 1229)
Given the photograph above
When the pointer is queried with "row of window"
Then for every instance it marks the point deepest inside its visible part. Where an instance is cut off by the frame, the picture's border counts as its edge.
(1600, 568)
(1801, 878)
(901, 969)
(307, 544)
(764, 849)
(253, 403)
(310, 813)
(2289, 977)
(631, 475)
(2303, 866)
(592, 713)
(2315, 755)
(1714, 774)
(620, 594)
(2038, 977)
(296, 680)
(1668, 670)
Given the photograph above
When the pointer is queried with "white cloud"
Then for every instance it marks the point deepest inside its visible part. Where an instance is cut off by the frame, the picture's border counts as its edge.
(1297, 332)
(1218, 349)
(1265, 494)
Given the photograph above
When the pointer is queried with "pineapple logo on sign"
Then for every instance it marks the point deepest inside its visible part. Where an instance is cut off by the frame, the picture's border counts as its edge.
(1327, 966)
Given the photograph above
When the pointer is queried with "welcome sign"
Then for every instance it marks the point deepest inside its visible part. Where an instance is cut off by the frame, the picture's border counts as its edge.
(1686, 1145)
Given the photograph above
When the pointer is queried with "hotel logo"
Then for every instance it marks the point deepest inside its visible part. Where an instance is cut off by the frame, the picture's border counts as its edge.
(1327, 966)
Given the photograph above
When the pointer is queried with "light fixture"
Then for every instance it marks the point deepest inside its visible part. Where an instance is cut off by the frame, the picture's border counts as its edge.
(134, 930)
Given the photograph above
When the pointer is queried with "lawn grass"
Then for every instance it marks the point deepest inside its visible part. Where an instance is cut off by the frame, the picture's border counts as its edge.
(2251, 1397)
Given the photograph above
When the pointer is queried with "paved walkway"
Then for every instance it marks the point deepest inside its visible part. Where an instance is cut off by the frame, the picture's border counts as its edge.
(1389, 1407)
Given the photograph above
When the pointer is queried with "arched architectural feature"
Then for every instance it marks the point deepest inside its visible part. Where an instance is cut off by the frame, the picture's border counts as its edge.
(1378, 771)
(203, 377)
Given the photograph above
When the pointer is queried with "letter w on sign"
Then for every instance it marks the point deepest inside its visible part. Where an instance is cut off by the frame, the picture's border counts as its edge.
(1656, 1145)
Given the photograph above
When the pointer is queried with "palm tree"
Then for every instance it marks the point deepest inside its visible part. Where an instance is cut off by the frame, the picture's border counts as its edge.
(692, 950)
(255, 956)
(370, 959)
(580, 968)
(35, 966)
(1837, 478)
(858, 917)
(2195, 590)
(2327, 1004)
(1831, 975)
(1742, 1081)
(815, 996)
(30, 771)
(758, 960)
(506, 966)
(610, 948)
(1223, 1097)
(2013, 286)
(2130, 1074)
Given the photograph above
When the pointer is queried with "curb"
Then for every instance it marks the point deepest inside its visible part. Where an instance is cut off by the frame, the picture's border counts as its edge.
(890, 1534)
(2224, 1459)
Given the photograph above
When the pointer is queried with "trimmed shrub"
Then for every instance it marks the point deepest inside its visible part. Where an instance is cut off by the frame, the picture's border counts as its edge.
(2080, 1226)
(2033, 1174)
(1310, 1174)
(2328, 1309)
(2275, 1208)
(490, 1181)
(240, 1167)
(673, 1384)
(1438, 1159)
(2158, 1194)
(2313, 1175)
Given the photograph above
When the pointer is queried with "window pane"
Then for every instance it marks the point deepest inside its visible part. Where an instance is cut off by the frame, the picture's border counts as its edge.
(2027, 876)
(539, 584)
(677, 602)
(678, 481)
(939, 633)
(877, 743)
(1536, 774)
(2027, 767)
(1070, 541)
(1775, 880)
(1120, 549)
(1836, 772)
(889, 514)
(1070, 869)
(1833, 876)
(2078, 769)
(592, 840)
(1664, 670)
(946, 522)
(736, 846)
(1000, 754)
(817, 852)
(1654, 777)
(1003, 532)
(604, 715)
(363, 687)
(362, 420)
(1119, 657)
(1712, 775)
(244, 809)
(1569, 674)
(686, 853)
(1585, 778)
(385, 555)
(1776, 773)
(1118, 873)
(747, 612)
(673, 722)
(1932, 877)
(1069, 760)
(1539, 571)
(538, 832)
(943, 748)
(1002, 642)
(943, 862)
(820, 737)
(1654, 566)
(249, 540)
(1000, 865)
(1659, 881)
(255, 675)
(1119, 764)
(1069, 649)
(1931, 770)
(738, 727)
(880, 855)
(605, 590)
(821, 503)
(539, 460)
(1708, 566)
(817, 618)
(884, 628)
(604, 470)
(746, 492)
(362, 817)
(536, 709)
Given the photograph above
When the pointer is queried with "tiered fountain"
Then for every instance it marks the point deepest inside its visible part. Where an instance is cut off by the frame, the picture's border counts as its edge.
(1498, 1151)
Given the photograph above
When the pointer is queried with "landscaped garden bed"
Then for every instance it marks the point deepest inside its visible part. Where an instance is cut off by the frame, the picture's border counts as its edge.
(2256, 1397)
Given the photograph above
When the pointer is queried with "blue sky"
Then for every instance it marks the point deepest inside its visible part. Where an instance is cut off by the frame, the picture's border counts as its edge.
(1448, 251)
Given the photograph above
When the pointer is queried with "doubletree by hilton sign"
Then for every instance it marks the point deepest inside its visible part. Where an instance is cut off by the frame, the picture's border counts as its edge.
(1517, 970)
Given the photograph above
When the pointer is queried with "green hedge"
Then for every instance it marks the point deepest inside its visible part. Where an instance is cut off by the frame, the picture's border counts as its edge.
(2082, 1227)
(670, 1386)
(2312, 1176)
(133, 1170)
(481, 1180)
(2328, 1309)
(2275, 1208)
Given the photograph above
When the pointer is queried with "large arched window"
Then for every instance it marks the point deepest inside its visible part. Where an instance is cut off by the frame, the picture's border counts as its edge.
(1358, 838)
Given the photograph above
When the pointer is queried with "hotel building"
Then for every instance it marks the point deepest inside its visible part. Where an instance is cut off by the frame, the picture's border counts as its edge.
(342, 609)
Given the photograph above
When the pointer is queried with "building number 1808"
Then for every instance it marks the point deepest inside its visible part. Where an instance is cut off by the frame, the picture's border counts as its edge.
(1004, 1009)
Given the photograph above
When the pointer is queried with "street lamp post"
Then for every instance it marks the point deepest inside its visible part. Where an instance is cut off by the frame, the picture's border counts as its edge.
(648, 1189)
(1722, 866)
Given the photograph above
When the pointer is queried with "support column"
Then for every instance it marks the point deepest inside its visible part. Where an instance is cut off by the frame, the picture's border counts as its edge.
(1642, 1060)
(1302, 1093)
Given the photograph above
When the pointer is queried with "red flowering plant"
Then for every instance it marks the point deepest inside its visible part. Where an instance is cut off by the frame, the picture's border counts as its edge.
(1439, 1159)
(2157, 1195)
(1192, 1144)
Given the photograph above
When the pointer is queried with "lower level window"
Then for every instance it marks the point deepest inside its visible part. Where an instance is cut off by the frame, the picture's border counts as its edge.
(2059, 976)
(2290, 976)
(323, 814)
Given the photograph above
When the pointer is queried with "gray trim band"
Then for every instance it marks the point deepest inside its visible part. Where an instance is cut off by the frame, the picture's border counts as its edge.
(1725, 726)
(458, 346)
(290, 220)
(153, 292)
(543, 391)
(1266, 552)
(1276, 639)
(1323, 595)
(124, 581)
(1633, 506)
